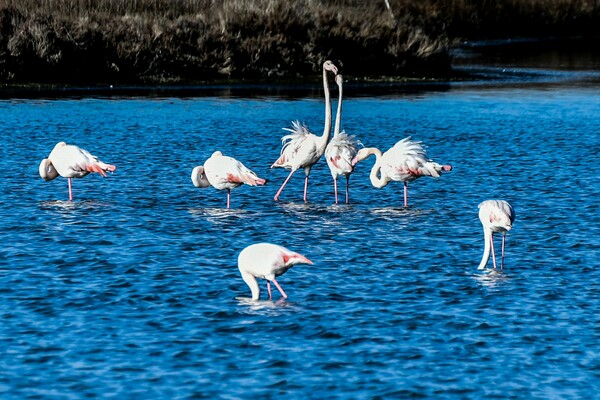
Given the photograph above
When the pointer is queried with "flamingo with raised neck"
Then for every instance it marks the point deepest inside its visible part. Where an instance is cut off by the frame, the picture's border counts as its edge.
(301, 148)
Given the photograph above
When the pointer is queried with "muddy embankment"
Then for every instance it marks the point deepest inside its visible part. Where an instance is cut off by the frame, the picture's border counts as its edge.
(187, 41)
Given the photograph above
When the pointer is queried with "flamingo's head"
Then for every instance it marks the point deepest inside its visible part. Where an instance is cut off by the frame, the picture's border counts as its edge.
(199, 177)
(329, 66)
(361, 155)
(47, 170)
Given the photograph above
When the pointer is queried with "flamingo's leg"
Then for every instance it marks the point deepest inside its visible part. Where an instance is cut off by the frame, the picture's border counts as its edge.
(228, 195)
(347, 189)
(269, 289)
(282, 186)
(492, 248)
(502, 262)
(280, 289)
(405, 194)
(70, 189)
(306, 189)
(335, 190)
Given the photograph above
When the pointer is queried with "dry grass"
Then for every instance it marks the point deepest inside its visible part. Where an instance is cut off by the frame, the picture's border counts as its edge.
(162, 41)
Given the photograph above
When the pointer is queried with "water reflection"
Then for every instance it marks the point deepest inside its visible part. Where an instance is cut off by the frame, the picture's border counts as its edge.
(264, 307)
(65, 205)
(220, 215)
(492, 278)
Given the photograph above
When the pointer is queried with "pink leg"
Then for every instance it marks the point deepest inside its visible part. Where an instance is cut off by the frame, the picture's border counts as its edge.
(347, 189)
(280, 289)
(405, 194)
(70, 190)
(335, 189)
(269, 289)
(228, 194)
(493, 251)
(502, 262)
(306, 189)
(282, 186)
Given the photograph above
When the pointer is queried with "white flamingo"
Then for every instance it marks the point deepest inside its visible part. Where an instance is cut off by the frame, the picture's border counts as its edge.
(404, 162)
(342, 148)
(70, 161)
(267, 261)
(223, 172)
(301, 148)
(495, 216)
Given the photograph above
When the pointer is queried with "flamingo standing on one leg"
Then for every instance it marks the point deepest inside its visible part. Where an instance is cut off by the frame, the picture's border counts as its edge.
(495, 216)
(301, 148)
(70, 161)
(341, 150)
(404, 162)
(223, 172)
(267, 261)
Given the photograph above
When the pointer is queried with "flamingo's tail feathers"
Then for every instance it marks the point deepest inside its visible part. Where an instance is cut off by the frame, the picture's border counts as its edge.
(298, 128)
(100, 168)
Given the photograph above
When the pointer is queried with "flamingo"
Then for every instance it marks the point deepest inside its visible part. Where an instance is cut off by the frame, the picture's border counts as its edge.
(266, 261)
(342, 149)
(301, 148)
(404, 162)
(223, 172)
(70, 161)
(495, 216)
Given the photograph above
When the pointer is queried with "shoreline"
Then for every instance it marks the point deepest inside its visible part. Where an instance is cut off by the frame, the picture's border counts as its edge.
(471, 63)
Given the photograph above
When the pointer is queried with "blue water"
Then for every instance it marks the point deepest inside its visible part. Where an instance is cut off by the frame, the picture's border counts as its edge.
(132, 290)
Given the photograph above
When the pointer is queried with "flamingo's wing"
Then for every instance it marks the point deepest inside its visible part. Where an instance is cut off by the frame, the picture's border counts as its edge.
(340, 152)
(239, 173)
(298, 147)
(407, 161)
(225, 172)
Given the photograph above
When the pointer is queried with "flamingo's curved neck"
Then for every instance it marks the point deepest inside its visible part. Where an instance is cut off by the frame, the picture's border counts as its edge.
(375, 171)
(338, 114)
(487, 237)
(252, 284)
(327, 129)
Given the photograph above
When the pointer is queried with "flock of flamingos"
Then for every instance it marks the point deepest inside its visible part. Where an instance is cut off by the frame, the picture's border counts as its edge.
(404, 162)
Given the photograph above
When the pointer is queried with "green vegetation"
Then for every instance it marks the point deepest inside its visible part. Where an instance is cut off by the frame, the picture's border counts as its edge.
(181, 41)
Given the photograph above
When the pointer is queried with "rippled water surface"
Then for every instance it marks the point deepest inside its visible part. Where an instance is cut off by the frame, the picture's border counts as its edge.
(132, 290)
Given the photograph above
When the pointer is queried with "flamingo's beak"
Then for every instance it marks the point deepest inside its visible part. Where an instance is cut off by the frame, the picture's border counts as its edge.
(305, 260)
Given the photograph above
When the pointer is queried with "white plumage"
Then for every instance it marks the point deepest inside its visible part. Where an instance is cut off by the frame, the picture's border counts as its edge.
(342, 148)
(495, 216)
(404, 162)
(70, 161)
(301, 148)
(267, 261)
(224, 173)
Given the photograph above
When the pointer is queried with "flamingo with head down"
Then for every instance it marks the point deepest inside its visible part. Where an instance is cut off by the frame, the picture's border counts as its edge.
(341, 150)
(70, 161)
(301, 148)
(267, 261)
(495, 216)
(404, 162)
(224, 173)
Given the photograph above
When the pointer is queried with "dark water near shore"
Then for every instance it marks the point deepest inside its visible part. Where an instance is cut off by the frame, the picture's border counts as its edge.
(132, 290)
